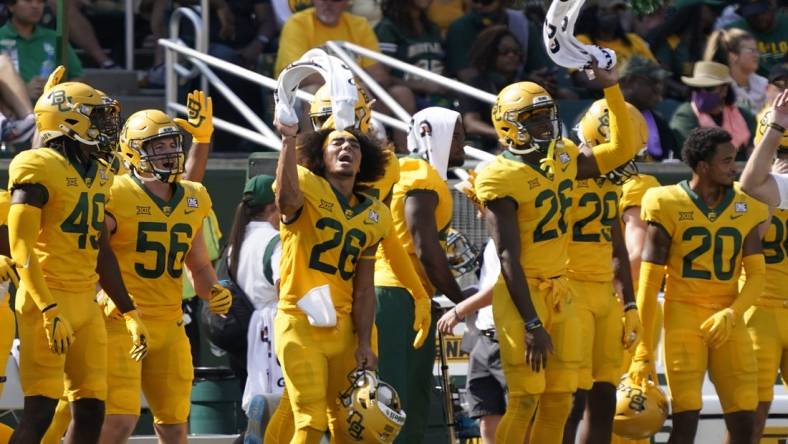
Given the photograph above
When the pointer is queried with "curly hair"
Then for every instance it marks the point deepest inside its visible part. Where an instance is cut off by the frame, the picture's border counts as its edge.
(373, 159)
(701, 144)
(484, 50)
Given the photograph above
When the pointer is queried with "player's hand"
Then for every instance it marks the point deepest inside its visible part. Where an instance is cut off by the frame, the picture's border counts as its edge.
(718, 327)
(447, 322)
(108, 306)
(200, 123)
(221, 300)
(7, 271)
(632, 328)
(604, 77)
(365, 358)
(640, 370)
(139, 335)
(421, 320)
(55, 77)
(780, 109)
(59, 332)
(286, 130)
(537, 346)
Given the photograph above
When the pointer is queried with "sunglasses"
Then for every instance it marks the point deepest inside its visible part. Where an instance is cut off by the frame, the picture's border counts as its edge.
(714, 88)
(483, 2)
(509, 50)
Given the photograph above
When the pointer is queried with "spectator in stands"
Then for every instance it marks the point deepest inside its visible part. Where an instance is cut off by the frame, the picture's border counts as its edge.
(601, 24)
(641, 83)
(82, 34)
(713, 104)
(768, 23)
(408, 35)
(679, 42)
(241, 30)
(32, 47)
(737, 49)
(498, 58)
(483, 14)
(17, 121)
(371, 10)
(778, 81)
(444, 12)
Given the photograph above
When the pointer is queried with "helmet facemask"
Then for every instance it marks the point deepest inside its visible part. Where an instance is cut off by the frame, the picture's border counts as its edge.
(538, 127)
(164, 164)
(106, 120)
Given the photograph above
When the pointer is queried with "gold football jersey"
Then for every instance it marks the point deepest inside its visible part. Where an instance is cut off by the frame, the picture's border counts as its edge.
(71, 219)
(416, 176)
(383, 187)
(152, 238)
(594, 210)
(542, 201)
(324, 242)
(775, 249)
(705, 255)
(634, 189)
(5, 204)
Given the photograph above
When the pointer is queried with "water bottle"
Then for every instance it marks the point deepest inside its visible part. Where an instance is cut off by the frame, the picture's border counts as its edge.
(48, 65)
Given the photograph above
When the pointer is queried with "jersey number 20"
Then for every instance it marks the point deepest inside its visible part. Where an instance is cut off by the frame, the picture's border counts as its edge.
(717, 245)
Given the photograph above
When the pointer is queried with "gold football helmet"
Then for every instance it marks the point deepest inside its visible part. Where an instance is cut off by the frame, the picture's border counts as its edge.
(594, 129)
(79, 112)
(462, 255)
(370, 409)
(320, 109)
(139, 130)
(640, 411)
(763, 124)
(525, 117)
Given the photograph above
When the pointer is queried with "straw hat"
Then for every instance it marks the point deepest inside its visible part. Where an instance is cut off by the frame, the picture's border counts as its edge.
(706, 74)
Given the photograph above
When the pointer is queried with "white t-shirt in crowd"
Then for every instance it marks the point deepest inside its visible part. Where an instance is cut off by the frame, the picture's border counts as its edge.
(491, 269)
(782, 186)
(255, 267)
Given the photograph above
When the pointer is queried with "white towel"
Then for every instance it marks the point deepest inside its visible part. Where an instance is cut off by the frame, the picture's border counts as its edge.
(434, 144)
(264, 374)
(559, 38)
(336, 74)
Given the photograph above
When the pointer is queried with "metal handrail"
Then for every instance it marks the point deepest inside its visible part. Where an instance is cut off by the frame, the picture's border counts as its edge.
(175, 29)
(230, 127)
(128, 8)
(421, 72)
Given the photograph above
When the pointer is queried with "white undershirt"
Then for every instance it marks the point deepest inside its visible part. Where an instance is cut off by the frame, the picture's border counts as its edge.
(782, 187)
(491, 268)
(250, 275)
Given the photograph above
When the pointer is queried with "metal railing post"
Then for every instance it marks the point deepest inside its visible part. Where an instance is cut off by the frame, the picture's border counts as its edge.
(206, 39)
(129, 31)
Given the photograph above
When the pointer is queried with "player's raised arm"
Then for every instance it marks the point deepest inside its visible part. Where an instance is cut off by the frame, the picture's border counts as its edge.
(501, 219)
(289, 197)
(623, 142)
(200, 126)
(756, 179)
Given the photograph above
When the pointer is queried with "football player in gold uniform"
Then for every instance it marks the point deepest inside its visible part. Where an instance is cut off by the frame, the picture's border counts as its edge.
(7, 274)
(598, 265)
(527, 191)
(702, 233)
(156, 223)
(330, 233)
(421, 209)
(280, 428)
(767, 320)
(57, 232)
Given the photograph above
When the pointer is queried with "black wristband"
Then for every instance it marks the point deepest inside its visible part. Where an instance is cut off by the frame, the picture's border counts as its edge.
(533, 324)
(630, 306)
(777, 127)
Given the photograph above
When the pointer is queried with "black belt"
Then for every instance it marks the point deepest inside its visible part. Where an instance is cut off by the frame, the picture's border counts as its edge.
(490, 334)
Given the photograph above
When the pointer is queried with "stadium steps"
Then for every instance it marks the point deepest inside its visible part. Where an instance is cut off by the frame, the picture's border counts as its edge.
(124, 85)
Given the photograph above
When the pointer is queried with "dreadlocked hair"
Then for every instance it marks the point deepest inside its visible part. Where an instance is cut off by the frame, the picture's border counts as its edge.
(373, 158)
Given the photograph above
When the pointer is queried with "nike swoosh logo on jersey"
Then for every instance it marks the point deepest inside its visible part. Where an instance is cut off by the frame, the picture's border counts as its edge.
(188, 211)
(736, 216)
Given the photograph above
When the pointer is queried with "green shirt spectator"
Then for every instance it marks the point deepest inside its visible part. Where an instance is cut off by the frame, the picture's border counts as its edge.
(424, 51)
(464, 31)
(768, 23)
(35, 56)
(32, 47)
